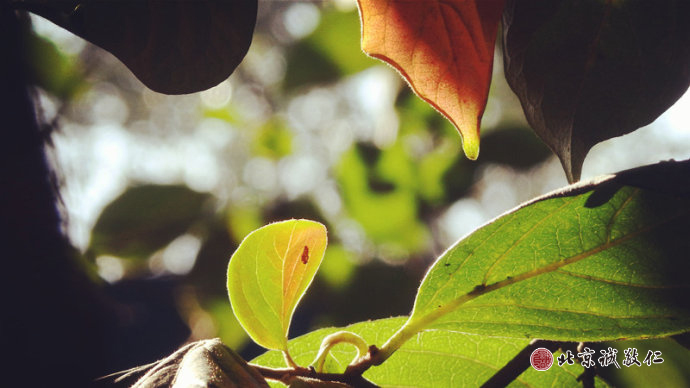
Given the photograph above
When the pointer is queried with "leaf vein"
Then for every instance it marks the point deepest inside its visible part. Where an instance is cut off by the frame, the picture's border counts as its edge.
(609, 225)
(621, 283)
(557, 310)
(524, 236)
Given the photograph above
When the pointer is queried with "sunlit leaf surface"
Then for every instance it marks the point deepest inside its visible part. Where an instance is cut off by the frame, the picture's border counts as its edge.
(444, 49)
(436, 358)
(268, 274)
(595, 262)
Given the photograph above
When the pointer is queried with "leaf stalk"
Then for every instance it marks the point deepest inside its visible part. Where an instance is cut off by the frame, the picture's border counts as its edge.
(336, 338)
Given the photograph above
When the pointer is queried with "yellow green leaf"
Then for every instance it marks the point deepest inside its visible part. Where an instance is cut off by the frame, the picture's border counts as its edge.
(268, 274)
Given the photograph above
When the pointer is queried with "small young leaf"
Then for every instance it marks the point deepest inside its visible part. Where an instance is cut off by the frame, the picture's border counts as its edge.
(595, 262)
(435, 358)
(444, 49)
(588, 71)
(268, 274)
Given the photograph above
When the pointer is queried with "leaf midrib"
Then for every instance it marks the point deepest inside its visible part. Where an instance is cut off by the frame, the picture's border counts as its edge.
(551, 267)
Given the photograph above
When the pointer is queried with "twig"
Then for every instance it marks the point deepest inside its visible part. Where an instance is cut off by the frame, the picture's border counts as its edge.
(285, 375)
(518, 364)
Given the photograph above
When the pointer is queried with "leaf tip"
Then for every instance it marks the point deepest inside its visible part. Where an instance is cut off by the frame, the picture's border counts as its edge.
(470, 144)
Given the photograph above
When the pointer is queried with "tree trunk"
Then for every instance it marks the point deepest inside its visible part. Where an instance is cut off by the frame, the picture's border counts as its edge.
(51, 324)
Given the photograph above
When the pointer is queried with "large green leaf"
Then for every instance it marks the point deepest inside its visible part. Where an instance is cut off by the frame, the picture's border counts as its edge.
(268, 275)
(587, 71)
(173, 47)
(602, 261)
(435, 358)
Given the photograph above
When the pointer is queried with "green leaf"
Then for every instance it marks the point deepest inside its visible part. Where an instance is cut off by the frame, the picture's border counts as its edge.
(587, 71)
(144, 219)
(435, 358)
(601, 261)
(173, 47)
(268, 275)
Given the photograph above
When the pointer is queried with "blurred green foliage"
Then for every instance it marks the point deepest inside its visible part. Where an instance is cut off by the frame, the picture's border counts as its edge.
(145, 219)
(273, 140)
(58, 73)
(327, 54)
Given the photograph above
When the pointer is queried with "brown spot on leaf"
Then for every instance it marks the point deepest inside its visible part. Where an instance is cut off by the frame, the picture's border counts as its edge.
(305, 255)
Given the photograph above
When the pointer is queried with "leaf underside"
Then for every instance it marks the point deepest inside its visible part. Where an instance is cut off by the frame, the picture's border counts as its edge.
(173, 47)
(444, 49)
(588, 71)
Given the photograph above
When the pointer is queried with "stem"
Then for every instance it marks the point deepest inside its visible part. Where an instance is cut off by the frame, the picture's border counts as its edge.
(287, 375)
(414, 326)
(340, 337)
(290, 362)
(519, 364)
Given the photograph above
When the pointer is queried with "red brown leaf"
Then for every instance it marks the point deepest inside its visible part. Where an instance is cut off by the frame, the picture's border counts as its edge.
(443, 48)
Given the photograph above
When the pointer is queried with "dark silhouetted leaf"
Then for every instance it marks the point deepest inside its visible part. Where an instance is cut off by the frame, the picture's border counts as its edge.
(145, 219)
(173, 47)
(587, 71)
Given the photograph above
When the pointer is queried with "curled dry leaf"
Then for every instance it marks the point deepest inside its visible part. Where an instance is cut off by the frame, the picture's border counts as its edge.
(202, 363)
(444, 49)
